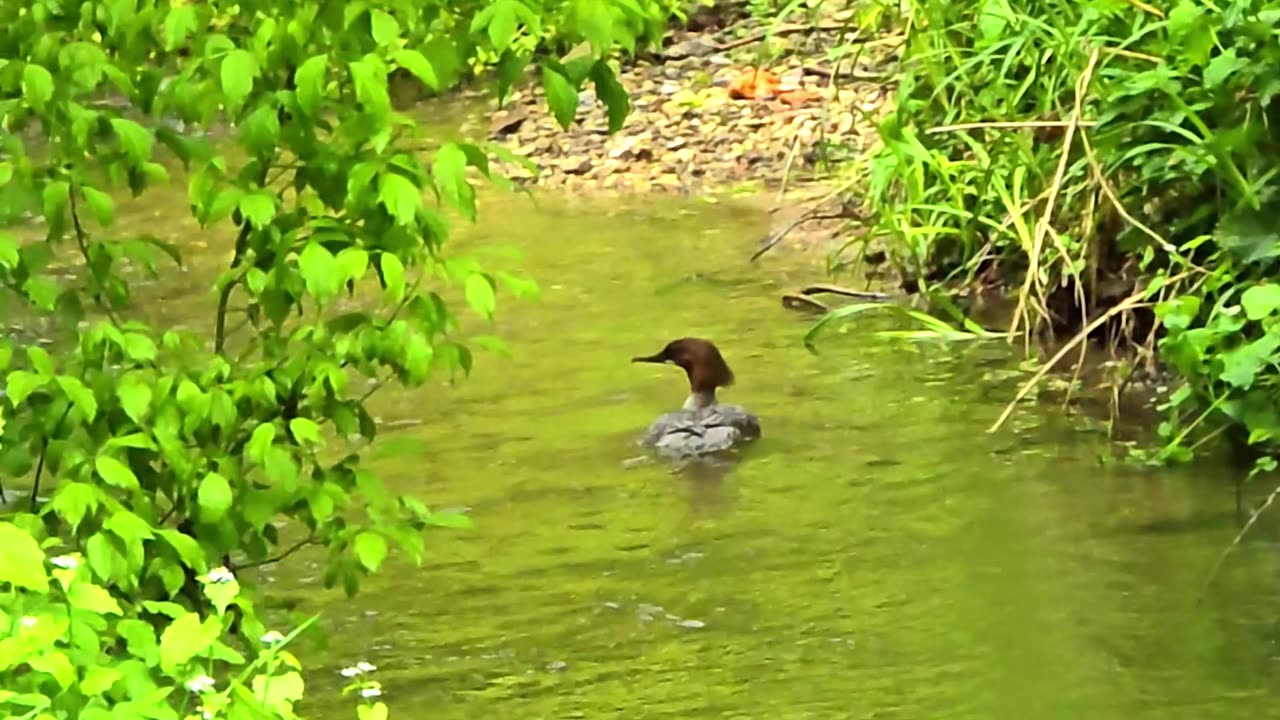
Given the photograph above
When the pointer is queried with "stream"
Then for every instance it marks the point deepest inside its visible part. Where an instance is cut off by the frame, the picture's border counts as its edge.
(877, 554)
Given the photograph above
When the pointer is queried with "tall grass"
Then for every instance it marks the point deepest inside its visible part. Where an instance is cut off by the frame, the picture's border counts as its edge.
(1112, 165)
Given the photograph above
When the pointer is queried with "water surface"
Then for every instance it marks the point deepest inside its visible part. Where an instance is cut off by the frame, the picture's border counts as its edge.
(877, 554)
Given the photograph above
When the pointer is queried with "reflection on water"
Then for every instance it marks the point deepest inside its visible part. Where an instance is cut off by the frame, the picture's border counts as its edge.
(875, 554)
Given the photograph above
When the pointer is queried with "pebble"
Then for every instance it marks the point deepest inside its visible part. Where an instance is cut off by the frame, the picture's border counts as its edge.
(683, 105)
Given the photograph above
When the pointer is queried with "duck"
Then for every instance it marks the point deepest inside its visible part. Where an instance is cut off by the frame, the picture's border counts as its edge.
(702, 426)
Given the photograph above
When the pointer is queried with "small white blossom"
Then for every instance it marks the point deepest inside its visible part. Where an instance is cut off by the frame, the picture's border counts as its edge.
(200, 684)
(220, 575)
(371, 692)
(28, 621)
(205, 712)
(272, 638)
(358, 669)
(66, 562)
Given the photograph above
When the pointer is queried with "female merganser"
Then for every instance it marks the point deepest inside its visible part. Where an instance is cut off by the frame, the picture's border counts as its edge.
(702, 426)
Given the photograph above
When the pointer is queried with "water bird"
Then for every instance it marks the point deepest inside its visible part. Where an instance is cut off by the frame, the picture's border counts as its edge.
(703, 426)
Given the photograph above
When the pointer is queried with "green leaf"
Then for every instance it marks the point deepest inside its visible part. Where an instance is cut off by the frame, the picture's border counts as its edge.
(1221, 67)
(319, 271)
(187, 547)
(134, 138)
(178, 25)
(40, 360)
(139, 636)
(392, 276)
(56, 664)
(280, 469)
(77, 393)
(86, 596)
(261, 130)
(20, 384)
(115, 473)
(353, 263)
(214, 497)
(135, 399)
(1240, 366)
(22, 562)
(562, 96)
(259, 442)
(1184, 17)
(455, 520)
(419, 66)
(309, 83)
(450, 173)
(502, 24)
(594, 21)
(611, 93)
(9, 251)
(371, 549)
(42, 291)
(259, 208)
(182, 640)
(371, 87)
(385, 28)
(305, 430)
(511, 67)
(132, 440)
(1260, 301)
(480, 296)
(100, 203)
(74, 501)
(37, 85)
(239, 70)
(139, 347)
(6, 172)
(54, 199)
(99, 679)
(399, 196)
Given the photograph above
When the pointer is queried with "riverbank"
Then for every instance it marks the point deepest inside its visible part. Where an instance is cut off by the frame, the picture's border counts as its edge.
(731, 105)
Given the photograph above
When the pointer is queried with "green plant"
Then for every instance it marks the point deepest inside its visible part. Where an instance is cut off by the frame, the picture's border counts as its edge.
(72, 648)
(166, 452)
(1086, 157)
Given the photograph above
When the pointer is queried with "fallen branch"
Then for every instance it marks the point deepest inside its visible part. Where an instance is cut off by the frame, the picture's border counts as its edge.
(1217, 565)
(1129, 303)
(778, 31)
(771, 240)
(1011, 125)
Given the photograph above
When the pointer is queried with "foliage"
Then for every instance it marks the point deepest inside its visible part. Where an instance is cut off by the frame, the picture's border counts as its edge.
(163, 452)
(1092, 153)
(72, 648)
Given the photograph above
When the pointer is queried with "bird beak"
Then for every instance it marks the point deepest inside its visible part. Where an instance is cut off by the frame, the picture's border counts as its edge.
(650, 359)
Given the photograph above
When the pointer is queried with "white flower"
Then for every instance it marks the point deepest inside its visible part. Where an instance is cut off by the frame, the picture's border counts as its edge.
(371, 692)
(272, 638)
(358, 669)
(220, 575)
(66, 562)
(28, 621)
(200, 684)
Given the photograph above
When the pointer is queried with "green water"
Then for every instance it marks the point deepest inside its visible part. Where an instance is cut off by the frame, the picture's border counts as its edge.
(876, 555)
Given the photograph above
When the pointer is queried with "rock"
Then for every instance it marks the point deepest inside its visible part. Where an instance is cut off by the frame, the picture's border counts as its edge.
(576, 166)
(684, 125)
(505, 122)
